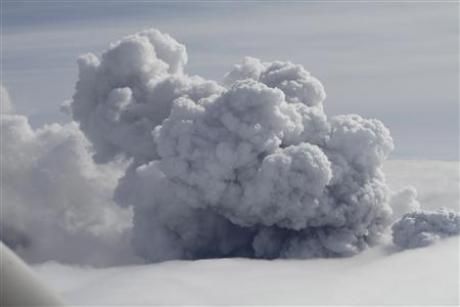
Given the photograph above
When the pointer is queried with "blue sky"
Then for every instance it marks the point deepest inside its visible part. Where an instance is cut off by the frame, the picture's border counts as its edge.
(394, 61)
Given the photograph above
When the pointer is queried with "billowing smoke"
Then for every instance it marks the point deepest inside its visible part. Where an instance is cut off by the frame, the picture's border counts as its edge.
(56, 203)
(421, 228)
(249, 167)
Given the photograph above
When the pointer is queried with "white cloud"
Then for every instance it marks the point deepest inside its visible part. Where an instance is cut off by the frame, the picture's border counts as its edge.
(426, 276)
(56, 203)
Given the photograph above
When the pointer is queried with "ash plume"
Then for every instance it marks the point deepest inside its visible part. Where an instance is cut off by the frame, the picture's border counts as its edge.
(251, 166)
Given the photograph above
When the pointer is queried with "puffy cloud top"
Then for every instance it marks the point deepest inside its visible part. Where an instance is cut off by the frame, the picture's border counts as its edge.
(296, 83)
(253, 167)
(121, 97)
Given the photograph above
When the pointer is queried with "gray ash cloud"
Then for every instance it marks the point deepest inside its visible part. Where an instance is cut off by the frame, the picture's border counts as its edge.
(251, 166)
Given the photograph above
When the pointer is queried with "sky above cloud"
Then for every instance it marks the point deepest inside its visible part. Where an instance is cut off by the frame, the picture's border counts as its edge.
(394, 61)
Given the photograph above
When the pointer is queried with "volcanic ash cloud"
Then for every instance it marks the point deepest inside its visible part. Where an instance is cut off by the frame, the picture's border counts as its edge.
(250, 166)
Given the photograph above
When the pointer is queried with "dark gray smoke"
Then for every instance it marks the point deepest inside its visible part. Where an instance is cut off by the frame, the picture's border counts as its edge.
(250, 167)
(422, 228)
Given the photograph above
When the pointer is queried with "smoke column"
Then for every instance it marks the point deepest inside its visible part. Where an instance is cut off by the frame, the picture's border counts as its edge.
(250, 166)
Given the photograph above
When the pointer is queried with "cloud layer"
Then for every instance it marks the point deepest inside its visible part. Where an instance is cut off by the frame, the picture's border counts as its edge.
(250, 167)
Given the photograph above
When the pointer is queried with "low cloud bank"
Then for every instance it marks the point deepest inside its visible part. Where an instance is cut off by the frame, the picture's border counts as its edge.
(422, 228)
(250, 167)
